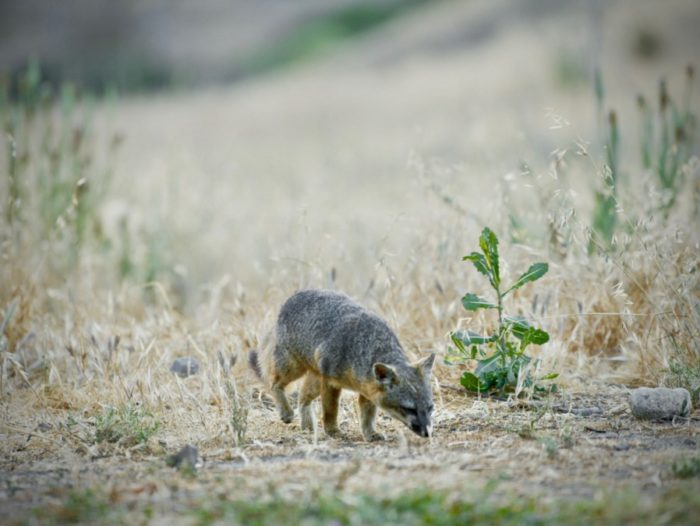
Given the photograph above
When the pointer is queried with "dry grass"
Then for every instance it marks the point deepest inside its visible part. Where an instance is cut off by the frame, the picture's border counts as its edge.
(227, 201)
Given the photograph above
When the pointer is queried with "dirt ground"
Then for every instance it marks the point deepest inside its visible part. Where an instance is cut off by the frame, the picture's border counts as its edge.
(579, 445)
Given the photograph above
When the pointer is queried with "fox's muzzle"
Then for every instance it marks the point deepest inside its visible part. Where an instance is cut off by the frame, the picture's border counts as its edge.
(423, 430)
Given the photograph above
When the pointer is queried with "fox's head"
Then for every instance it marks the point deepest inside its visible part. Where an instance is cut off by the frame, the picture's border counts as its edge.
(404, 392)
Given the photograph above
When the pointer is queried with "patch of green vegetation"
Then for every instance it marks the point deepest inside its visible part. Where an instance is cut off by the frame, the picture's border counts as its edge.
(52, 186)
(605, 205)
(687, 468)
(127, 425)
(55, 178)
(322, 33)
(667, 143)
(686, 375)
(678, 503)
(416, 508)
(502, 364)
(419, 507)
(84, 506)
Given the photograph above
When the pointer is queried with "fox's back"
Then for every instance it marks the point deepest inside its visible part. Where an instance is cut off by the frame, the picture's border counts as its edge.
(333, 334)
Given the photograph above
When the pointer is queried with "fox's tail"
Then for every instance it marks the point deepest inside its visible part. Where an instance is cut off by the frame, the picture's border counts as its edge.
(254, 363)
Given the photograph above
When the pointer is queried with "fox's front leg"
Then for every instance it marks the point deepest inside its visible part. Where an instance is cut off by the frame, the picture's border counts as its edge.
(368, 413)
(330, 397)
(285, 410)
(309, 392)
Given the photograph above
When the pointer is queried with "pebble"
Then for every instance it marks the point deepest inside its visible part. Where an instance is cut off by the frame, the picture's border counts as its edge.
(186, 458)
(184, 367)
(660, 403)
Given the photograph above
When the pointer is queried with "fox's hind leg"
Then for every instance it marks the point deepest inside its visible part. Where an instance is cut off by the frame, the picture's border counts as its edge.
(285, 369)
(329, 400)
(310, 390)
(368, 412)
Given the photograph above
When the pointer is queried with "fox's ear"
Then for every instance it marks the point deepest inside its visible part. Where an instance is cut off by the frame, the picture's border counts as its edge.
(425, 365)
(385, 374)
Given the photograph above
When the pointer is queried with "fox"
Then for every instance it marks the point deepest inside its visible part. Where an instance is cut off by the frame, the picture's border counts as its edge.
(339, 344)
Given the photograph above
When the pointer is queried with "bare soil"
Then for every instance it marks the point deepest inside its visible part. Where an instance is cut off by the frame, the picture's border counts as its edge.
(578, 445)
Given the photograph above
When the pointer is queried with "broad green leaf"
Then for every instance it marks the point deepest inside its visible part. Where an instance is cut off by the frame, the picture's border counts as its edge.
(550, 376)
(490, 364)
(535, 272)
(466, 338)
(489, 245)
(473, 302)
(526, 333)
(536, 336)
(517, 325)
(496, 379)
(480, 263)
(471, 382)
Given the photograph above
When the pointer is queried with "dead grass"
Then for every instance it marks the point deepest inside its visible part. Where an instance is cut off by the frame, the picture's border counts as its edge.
(237, 198)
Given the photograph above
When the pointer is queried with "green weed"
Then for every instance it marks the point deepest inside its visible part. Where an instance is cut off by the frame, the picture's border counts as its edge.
(127, 425)
(667, 143)
(684, 374)
(501, 359)
(685, 469)
(53, 185)
(605, 207)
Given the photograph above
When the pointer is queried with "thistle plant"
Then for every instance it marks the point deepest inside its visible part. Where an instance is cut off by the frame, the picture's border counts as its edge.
(502, 364)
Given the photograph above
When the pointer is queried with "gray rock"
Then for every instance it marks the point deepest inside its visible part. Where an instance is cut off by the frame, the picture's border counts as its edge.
(184, 367)
(660, 403)
(186, 458)
(587, 411)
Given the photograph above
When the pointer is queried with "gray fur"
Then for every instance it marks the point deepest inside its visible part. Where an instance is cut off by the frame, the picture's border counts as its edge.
(345, 335)
(341, 344)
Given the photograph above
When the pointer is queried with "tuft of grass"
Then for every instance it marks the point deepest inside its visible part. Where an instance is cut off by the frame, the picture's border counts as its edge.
(54, 184)
(684, 374)
(238, 403)
(605, 209)
(127, 425)
(687, 468)
(239, 412)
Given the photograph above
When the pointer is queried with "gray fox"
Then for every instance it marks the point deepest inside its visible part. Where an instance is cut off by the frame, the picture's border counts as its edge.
(339, 344)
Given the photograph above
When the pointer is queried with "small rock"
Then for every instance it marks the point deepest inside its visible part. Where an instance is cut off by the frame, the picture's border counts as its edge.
(186, 458)
(660, 403)
(184, 367)
(587, 411)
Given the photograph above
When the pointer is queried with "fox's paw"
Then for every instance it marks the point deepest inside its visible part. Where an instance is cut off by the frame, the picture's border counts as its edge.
(287, 416)
(374, 436)
(307, 421)
(332, 432)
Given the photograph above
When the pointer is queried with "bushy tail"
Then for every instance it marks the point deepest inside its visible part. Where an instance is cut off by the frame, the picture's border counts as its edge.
(254, 362)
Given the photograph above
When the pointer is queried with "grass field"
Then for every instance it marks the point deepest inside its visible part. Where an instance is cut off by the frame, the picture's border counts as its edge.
(139, 229)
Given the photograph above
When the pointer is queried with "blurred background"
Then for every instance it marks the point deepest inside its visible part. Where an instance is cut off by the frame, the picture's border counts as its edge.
(311, 140)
